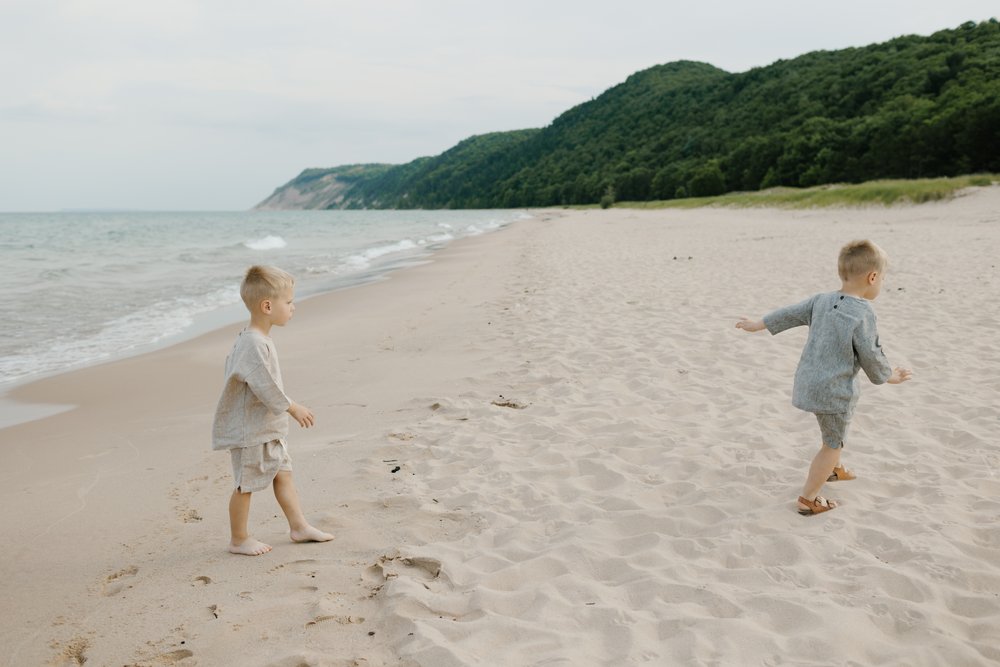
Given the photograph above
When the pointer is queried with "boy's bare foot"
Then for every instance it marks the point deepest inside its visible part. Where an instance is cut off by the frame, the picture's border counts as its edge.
(249, 547)
(310, 534)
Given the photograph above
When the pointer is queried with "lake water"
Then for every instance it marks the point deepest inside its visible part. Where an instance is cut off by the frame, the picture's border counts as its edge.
(84, 288)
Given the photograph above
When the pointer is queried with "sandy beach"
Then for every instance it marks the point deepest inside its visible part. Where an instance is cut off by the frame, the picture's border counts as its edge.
(547, 446)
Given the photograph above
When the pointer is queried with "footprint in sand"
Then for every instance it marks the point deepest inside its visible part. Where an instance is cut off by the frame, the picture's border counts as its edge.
(429, 567)
(205, 581)
(390, 567)
(119, 581)
(375, 576)
(343, 620)
(509, 403)
(303, 567)
(73, 653)
(171, 658)
(188, 515)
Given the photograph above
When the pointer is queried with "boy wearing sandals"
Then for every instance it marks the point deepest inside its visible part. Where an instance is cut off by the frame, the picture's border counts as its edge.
(842, 340)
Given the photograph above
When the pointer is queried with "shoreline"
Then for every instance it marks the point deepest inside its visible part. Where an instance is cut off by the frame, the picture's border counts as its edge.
(14, 411)
(548, 444)
(129, 310)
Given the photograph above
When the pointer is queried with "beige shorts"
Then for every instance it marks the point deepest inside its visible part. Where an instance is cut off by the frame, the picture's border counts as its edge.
(254, 468)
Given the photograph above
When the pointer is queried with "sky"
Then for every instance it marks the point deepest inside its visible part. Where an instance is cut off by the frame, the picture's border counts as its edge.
(212, 104)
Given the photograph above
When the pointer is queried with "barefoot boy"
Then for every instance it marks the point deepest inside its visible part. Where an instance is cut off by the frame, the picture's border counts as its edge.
(251, 420)
(842, 339)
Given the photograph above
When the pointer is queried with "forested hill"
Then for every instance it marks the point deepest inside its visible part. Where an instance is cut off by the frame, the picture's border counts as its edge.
(910, 107)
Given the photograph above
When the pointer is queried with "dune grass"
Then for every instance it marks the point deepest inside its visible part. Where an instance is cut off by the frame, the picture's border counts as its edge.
(872, 193)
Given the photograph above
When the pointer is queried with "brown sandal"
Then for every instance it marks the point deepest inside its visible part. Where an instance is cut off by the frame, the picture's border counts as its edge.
(841, 474)
(817, 506)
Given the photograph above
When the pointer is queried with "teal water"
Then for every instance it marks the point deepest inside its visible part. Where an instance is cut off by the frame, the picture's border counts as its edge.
(84, 288)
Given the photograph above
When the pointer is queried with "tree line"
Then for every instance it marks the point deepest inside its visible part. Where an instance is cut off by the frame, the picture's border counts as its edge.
(912, 107)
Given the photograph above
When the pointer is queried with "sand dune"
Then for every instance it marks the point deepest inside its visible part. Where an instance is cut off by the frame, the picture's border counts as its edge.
(549, 446)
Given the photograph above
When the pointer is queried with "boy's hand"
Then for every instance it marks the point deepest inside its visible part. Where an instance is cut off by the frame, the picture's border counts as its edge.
(302, 415)
(749, 325)
(899, 375)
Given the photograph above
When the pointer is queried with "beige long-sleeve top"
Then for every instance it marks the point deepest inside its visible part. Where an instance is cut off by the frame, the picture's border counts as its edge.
(252, 408)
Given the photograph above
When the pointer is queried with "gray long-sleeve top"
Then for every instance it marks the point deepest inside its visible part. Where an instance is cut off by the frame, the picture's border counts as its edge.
(251, 410)
(843, 339)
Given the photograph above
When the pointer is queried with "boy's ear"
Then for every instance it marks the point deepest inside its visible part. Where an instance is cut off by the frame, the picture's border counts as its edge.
(872, 277)
(265, 306)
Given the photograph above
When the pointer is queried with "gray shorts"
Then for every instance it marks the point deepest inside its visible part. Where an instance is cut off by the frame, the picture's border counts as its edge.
(833, 428)
(254, 468)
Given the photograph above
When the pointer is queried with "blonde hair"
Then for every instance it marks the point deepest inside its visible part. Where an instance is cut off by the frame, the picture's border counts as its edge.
(859, 258)
(264, 282)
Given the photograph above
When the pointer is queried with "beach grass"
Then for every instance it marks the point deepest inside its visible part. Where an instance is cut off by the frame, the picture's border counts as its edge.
(871, 193)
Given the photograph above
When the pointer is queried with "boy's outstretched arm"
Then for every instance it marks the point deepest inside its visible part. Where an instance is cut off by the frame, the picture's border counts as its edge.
(749, 325)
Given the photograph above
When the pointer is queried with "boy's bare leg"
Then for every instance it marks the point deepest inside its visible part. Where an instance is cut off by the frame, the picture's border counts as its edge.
(239, 514)
(823, 463)
(288, 498)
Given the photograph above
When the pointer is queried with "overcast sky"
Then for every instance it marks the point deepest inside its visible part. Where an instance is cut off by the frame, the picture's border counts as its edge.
(211, 104)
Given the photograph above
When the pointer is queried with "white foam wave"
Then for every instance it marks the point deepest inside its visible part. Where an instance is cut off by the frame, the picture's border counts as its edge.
(364, 259)
(124, 334)
(356, 262)
(269, 242)
(399, 246)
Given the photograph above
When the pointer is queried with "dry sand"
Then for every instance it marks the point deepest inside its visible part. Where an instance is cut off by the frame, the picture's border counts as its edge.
(594, 466)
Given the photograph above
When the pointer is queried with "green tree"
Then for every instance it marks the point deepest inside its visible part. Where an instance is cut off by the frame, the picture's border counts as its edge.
(707, 181)
(915, 106)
